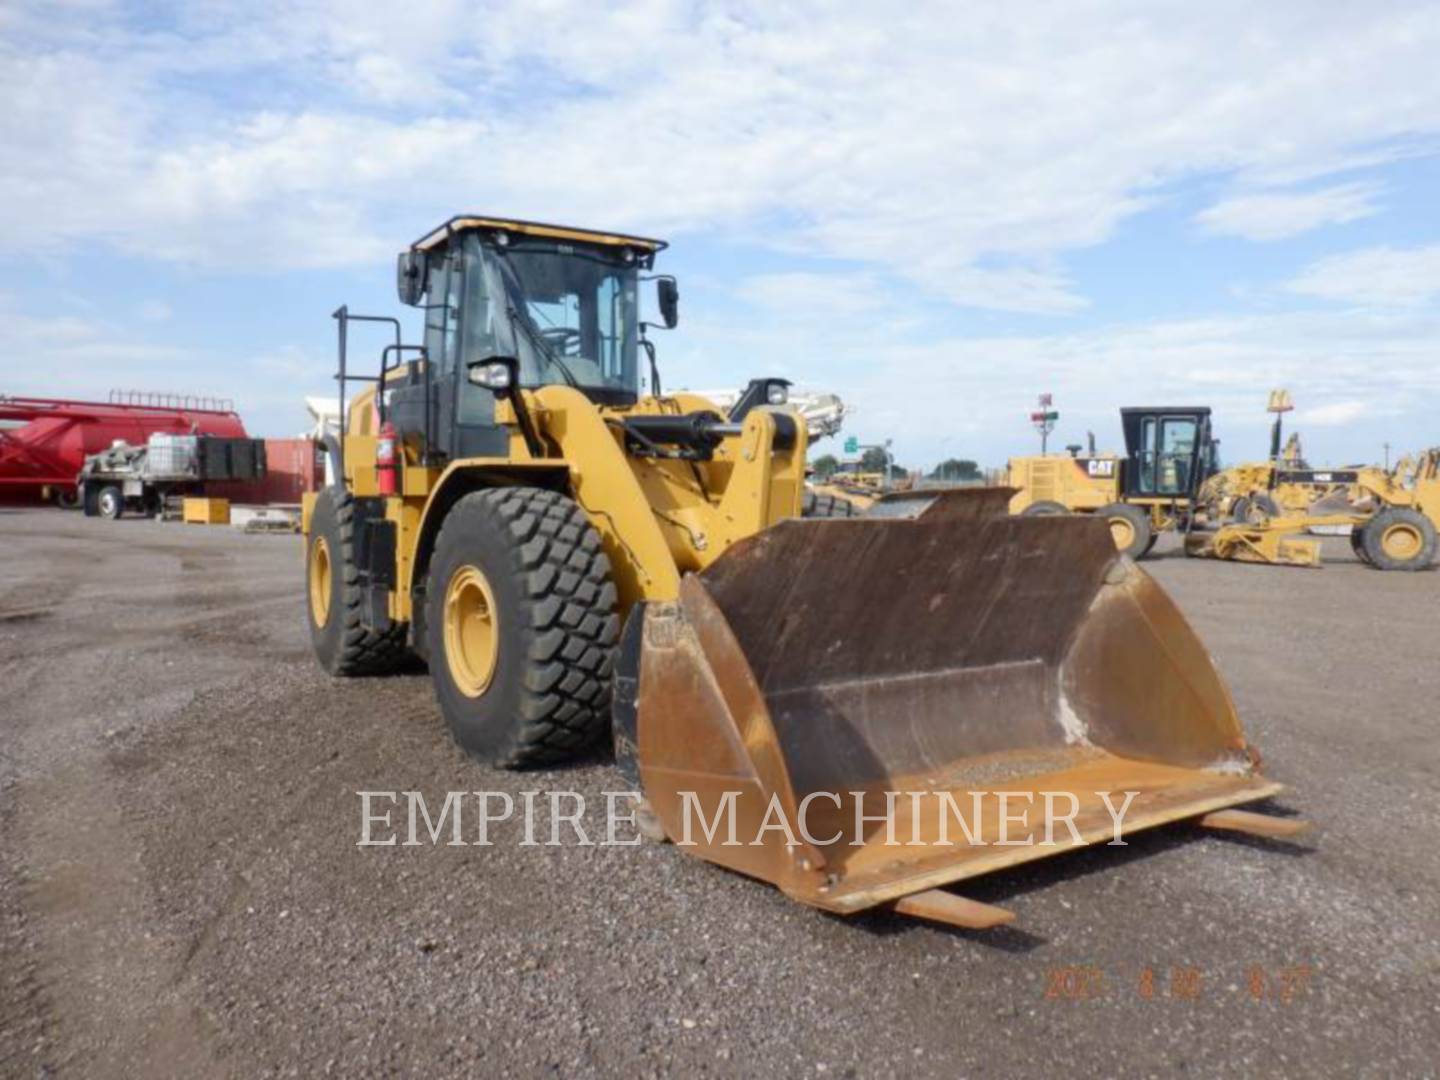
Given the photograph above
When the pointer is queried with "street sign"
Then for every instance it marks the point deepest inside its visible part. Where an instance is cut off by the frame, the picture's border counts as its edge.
(1044, 419)
(852, 445)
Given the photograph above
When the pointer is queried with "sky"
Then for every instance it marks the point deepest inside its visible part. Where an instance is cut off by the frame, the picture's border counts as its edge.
(937, 211)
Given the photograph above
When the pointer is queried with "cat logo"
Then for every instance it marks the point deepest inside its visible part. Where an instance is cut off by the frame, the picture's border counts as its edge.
(1101, 467)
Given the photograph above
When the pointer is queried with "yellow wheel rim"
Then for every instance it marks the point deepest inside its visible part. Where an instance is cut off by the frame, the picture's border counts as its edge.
(320, 581)
(472, 631)
(1122, 531)
(1402, 542)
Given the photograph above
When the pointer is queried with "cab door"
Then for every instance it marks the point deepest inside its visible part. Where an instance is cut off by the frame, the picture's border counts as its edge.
(1164, 452)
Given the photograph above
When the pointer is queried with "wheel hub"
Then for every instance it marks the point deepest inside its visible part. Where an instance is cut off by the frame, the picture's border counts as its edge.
(1123, 532)
(1402, 542)
(472, 638)
(320, 581)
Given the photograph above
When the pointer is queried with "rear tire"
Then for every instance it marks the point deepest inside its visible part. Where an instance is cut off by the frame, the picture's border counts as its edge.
(1130, 528)
(1399, 538)
(522, 626)
(1044, 508)
(110, 502)
(1259, 509)
(343, 644)
(826, 506)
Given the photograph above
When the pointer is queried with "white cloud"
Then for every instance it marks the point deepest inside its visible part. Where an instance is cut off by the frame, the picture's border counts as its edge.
(86, 358)
(1382, 277)
(967, 154)
(1277, 215)
(937, 393)
(1335, 414)
(806, 295)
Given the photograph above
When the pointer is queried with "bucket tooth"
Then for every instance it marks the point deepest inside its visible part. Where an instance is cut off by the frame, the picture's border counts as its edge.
(1266, 826)
(937, 905)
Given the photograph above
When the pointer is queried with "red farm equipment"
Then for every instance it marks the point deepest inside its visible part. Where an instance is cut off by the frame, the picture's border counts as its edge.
(45, 441)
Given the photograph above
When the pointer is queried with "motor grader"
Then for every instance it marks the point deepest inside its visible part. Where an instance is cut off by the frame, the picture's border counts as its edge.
(1393, 518)
(575, 559)
(1284, 484)
(1152, 488)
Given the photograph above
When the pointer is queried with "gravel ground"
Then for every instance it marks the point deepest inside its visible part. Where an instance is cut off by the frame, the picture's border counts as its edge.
(181, 891)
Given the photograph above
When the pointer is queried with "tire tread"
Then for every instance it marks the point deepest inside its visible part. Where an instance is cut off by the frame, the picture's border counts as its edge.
(564, 575)
(363, 651)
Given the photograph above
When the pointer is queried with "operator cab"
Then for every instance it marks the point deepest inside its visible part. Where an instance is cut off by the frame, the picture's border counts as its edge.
(1169, 452)
(521, 305)
(561, 303)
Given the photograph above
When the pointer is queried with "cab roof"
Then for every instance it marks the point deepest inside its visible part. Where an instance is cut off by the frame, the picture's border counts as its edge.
(467, 222)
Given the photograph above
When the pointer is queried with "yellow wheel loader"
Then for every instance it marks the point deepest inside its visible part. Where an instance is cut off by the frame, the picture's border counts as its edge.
(576, 559)
(1169, 455)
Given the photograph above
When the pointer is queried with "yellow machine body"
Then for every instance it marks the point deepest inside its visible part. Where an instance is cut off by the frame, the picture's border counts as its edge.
(1393, 518)
(659, 519)
(769, 664)
(1079, 484)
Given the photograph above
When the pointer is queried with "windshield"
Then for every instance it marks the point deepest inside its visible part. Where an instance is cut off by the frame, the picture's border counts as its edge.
(567, 313)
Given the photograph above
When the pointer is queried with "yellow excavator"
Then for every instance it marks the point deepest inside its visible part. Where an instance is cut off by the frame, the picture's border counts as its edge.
(578, 559)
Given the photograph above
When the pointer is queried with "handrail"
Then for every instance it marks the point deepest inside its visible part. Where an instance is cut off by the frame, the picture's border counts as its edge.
(159, 399)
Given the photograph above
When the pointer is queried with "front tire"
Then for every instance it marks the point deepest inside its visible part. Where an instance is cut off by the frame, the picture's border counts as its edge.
(1357, 544)
(522, 627)
(1399, 538)
(1260, 509)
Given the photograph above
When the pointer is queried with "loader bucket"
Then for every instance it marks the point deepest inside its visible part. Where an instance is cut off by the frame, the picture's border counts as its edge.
(857, 710)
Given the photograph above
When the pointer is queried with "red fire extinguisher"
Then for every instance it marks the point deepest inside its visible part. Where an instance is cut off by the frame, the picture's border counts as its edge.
(385, 471)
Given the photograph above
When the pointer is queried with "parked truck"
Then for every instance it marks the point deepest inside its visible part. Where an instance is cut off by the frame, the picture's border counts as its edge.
(137, 479)
(44, 441)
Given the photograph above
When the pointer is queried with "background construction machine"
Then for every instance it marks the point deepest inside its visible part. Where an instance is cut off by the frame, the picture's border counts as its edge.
(1393, 518)
(1169, 454)
(140, 479)
(516, 512)
(1284, 483)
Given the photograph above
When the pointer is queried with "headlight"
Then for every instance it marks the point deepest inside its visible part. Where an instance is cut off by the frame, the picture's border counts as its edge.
(777, 394)
(490, 376)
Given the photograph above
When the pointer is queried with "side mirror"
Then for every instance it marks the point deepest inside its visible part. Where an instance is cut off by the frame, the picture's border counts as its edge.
(410, 277)
(667, 293)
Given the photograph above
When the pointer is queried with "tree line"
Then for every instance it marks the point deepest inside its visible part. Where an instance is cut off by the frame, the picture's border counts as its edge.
(873, 461)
